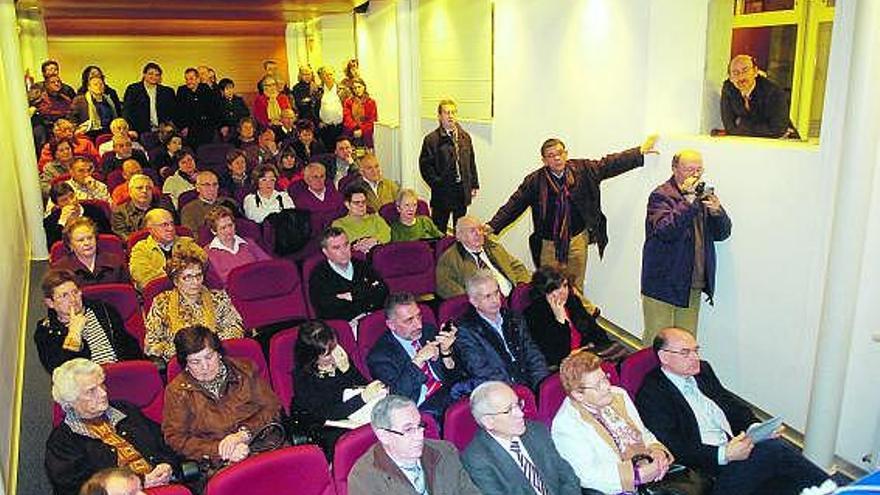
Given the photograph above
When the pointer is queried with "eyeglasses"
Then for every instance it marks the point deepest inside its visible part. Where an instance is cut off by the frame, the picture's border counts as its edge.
(519, 404)
(68, 296)
(602, 384)
(743, 72)
(163, 225)
(191, 277)
(409, 431)
(695, 352)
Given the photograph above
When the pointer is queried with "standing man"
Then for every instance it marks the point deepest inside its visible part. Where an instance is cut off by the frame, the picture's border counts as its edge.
(566, 205)
(147, 103)
(447, 164)
(329, 108)
(198, 110)
(678, 261)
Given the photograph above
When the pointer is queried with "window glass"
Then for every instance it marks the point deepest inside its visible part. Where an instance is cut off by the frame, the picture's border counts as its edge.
(758, 6)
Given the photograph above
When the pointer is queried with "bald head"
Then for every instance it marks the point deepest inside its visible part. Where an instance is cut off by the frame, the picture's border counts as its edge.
(496, 408)
(469, 232)
(677, 351)
(687, 164)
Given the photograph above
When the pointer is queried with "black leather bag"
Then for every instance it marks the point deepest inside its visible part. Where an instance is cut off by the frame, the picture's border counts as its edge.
(292, 229)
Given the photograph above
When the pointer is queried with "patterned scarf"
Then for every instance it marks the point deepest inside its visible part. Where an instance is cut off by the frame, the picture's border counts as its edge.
(103, 428)
(208, 319)
(562, 216)
(215, 385)
(616, 425)
(357, 109)
(273, 111)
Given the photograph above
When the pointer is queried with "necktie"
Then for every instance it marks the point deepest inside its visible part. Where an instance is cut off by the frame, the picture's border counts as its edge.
(711, 411)
(528, 468)
(432, 383)
(479, 259)
(454, 135)
(416, 476)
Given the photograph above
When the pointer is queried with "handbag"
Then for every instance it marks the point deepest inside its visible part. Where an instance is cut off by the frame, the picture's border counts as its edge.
(679, 480)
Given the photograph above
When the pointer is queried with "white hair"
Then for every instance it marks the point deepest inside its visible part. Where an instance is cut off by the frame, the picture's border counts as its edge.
(65, 387)
(478, 279)
(481, 399)
(380, 417)
(138, 178)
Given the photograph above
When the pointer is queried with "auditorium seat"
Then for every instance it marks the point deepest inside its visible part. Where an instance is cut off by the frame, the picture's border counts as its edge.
(520, 297)
(308, 266)
(235, 348)
(301, 469)
(142, 234)
(355, 443)
(635, 367)
(372, 326)
(101, 139)
(442, 245)
(459, 426)
(186, 197)
(212, 155)
(453, 308)
(406, 266)
(123, 298)
(168, 490)
(551, 394)
(102, 205)
(107, 243)
(153, 288)
(390, 214)
(267, 292)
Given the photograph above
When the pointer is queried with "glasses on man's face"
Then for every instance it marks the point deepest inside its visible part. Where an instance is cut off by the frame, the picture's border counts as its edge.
(694, 352)
(519, 404)
(409, 431)
(741, 72)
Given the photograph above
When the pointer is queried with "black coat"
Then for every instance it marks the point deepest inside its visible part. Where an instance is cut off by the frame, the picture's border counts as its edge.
(366, 287)
(554, 338)
(767, 115)
(71, 458)
(437, 166)
(321, 397)
(667, 414)
(136, 106)
(199, 112)
(50, 334)
(54, 230)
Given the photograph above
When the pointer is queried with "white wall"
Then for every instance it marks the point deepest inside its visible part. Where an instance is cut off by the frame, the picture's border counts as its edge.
(376, 34)
(337, 42)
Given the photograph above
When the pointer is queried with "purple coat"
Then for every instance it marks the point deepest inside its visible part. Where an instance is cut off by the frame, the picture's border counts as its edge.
(668, 254)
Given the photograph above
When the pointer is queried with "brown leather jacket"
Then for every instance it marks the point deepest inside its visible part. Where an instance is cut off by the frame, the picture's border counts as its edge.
(194, 422)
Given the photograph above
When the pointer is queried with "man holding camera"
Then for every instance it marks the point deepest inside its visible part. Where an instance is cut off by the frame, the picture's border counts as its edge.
(685, 219)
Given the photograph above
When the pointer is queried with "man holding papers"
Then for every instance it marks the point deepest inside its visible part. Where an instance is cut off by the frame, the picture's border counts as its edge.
(705, 426)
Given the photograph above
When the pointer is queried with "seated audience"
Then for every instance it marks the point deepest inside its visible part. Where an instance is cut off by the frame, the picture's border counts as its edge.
(192, 215)
(66, 208)
(599, 432)
(494, 342)
(129, 217)
(366, 229)
(188, 303)
(289, 168)
(359, 115)
(64, 129)
(415, 361)
(342, 163)
(269, 103)
(752, 104)
(123, 149)
(236, 181)
(267, 151)
(130, 168)
(55, 103)
(88, 265)
(321, 377)
(409, 226)
(94, 109)
(227, 250)
(509, 454)
(706, 426)
(148, 257)
(119, 127)
(162, 160)
(83, 181)
(76, 328)
(380, 190)
(184, 178)
(266, 199)
(216, 405)
(62, 158)
(246, 137)
(306, 144)
(474, 251)
(232, 108)
(98, 434)
(147, 103)
(285, 131)
(559, 323)
(404, 461)
(344, 288)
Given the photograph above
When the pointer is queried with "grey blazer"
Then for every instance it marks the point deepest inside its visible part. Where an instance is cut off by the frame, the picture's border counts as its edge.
(493, 470)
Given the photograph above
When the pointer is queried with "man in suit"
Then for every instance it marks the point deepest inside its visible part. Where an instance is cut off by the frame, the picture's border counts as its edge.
(148, 103)
(511, 455)
(705, 426)
(404, 462)
(413, 360)
(493, 343)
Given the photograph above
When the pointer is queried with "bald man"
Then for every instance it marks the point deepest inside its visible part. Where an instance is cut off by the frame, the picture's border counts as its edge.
(685, 219)
(752, 104)
(148, 256)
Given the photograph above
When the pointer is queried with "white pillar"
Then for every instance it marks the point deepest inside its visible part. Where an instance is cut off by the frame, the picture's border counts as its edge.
(851, 148)
(409, 134)
(32, 37)
(21, 135)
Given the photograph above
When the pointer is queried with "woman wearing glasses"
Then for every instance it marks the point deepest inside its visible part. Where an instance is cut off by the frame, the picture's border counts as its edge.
(599, 432)
(188, 303)
(217, 404)
(266, 199)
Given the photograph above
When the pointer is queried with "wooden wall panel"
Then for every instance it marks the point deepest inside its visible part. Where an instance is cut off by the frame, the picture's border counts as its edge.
(122, 57)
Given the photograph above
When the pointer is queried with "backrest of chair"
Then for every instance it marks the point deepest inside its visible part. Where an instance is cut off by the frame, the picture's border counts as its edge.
(301, 469)
(281, 362)
(102, 138)
(406, 266)
(154, 288)
(520, 297)
(212, 154)
(114, 179)
(610, 370)
(345, 338)
(168, 490)
(530, 405)
(267, 292)
(186, 197)
(550, 397)
(308, 266)
(389, 213)
(442, 245)
(235, 348)
(123, 298)
(634, 368)
(137, 382)
(102, 205)
(453, 308)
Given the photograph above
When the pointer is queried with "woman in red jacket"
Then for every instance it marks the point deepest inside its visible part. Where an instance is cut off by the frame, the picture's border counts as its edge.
(359, 115)
(269, 103)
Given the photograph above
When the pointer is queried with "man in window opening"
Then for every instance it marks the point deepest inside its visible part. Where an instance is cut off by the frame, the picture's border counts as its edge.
(752, 104)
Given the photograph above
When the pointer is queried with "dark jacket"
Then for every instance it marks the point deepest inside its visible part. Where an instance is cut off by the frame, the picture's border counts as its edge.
(480, 351)
(110, 268)
(554, 338)
(113, 162)
(54, 230)
(71, 458)
(585, 194)
(437, 165)
(199, 112)
(389, 363)
(50, 334)
(667, 414)
(367, 289)
(232, 111)
(321, 396)
(668, 254)
(767, 115)
(136, 106)
(493, 470)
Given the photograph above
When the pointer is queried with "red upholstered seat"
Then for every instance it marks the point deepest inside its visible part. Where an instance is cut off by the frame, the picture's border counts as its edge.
(168, 490)
(107, 243)
(520, 297)
(442, 245)
(406, 266)
(124, 300)
(459, 426)
(237, 348)
(634, 368)
(267, 292)
(301, 469)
